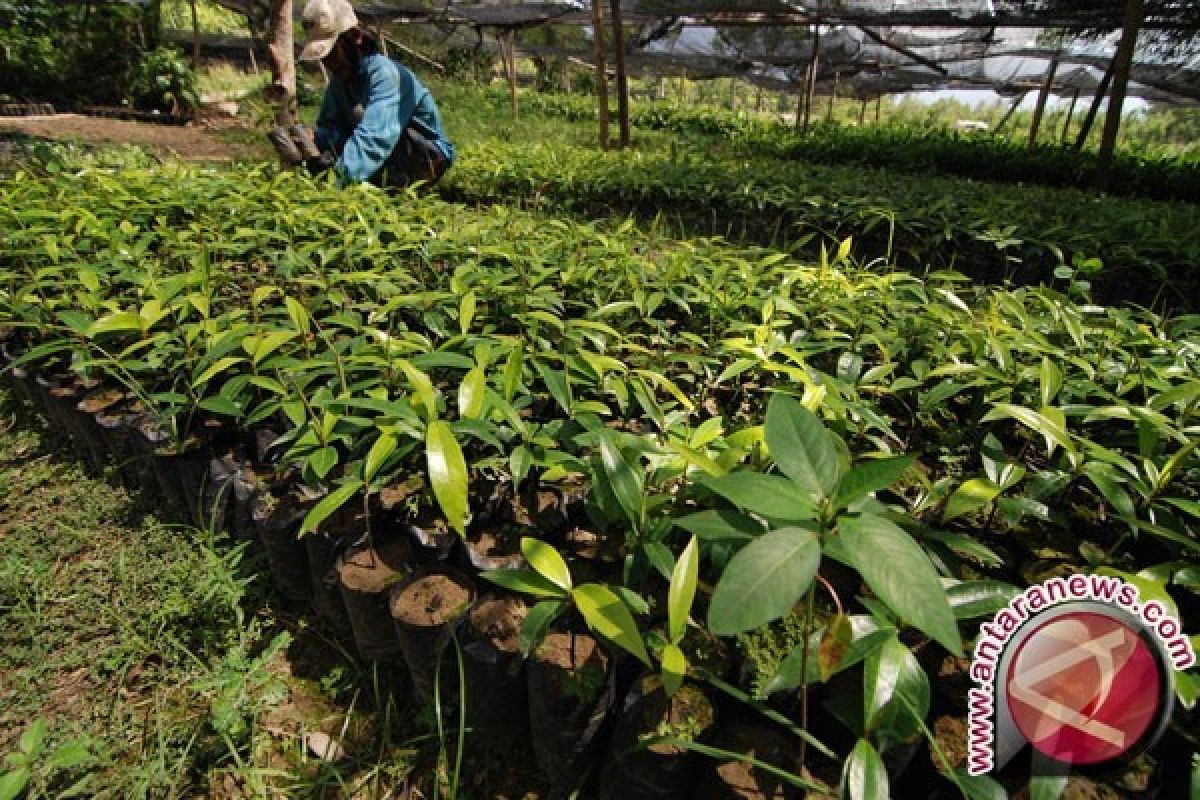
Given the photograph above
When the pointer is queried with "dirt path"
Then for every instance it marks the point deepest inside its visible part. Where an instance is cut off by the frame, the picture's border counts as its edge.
(195, 142)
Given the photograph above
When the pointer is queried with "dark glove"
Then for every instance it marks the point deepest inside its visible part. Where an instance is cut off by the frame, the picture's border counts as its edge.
(321, 163)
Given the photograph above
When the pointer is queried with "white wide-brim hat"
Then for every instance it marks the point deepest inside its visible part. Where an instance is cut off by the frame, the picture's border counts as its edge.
(324, 21)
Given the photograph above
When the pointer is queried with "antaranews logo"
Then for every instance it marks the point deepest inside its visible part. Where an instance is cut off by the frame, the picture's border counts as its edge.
(1078, 667)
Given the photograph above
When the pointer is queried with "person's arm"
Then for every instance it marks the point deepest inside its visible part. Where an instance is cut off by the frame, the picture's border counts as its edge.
(376, 136)
(329, 133)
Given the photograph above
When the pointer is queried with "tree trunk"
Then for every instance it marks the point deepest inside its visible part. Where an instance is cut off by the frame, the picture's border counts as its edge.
(1135, 13)
(622, 79)
(195, 37)
(281, 56)
(1090, 119)
(1043, 96)
(601, 69)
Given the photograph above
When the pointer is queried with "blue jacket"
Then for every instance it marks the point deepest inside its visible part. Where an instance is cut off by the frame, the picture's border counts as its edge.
(392, 98)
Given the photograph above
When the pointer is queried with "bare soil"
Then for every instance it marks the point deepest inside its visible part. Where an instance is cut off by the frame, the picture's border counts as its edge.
(371, 570)
(431, 600)
(499, 619)
(193, 142)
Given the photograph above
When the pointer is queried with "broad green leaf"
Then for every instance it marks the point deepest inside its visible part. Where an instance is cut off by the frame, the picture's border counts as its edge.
(122, 322)
(674, 668)
(870, 476)
(1047, 787)
(770, 495)
(525, 581)
(261, 345)
(471, 394)
(972, 599)
(1054, 433)
(979, 787)
(606, 615)
(220, 405)
(792, 671)
(298, 315)
(328, 505)
(547, 562)
(764, 580)
(1050, 379)
(864, 776)
(447, 474)
(422, 388)
(1108, 480)
(624, 480)
(537, 622)
(695, 458)
(893, 672)
(556, 384)
(216, 368)
(801, 446)
(972, 495)
(723, 525)
(383, 447)
(68, 756)
(466, 312)
(512, 373)
(13, 783)
(897, 570)
(33, 736)
(835, 643)
(323, 460)
(682, 591)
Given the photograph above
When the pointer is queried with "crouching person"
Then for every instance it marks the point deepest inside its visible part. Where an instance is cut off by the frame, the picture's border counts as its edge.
(377, 122)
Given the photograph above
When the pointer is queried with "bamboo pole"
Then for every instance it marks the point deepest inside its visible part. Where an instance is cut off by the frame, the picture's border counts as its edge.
(622, 78)
(1135, 12)
(837, 77)
(813, 67)
(1094, 109)
(510, 64)
(601, 73)
(1070, 114)
(1043, 95)
(1008, 114)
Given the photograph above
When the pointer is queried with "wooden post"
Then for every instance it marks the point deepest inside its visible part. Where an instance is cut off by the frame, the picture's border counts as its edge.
(195, 37)
(1094, 109)
(281, 56)
(798, 123)
(1040, 109)
(1070, 114)
(878, 107)
(837, 77)
(813, 67)
(1135, 12)
(862, 113)
(510, 67)
(622, 78)
(601, 70)
(758, 99)
(382, 38)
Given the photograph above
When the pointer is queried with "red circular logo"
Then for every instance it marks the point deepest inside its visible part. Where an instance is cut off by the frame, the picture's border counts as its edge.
(1084, 688)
